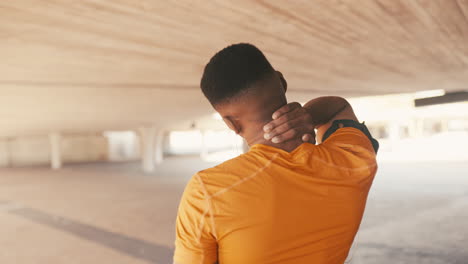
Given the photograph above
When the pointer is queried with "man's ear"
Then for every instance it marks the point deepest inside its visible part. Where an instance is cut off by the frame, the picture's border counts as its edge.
(232, 124)
(283, 81)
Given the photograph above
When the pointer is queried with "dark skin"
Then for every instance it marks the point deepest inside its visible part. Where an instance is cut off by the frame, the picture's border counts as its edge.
(247, 113)
(262, 115)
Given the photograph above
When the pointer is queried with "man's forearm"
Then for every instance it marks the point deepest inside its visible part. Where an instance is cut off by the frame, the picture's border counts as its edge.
(324, 109)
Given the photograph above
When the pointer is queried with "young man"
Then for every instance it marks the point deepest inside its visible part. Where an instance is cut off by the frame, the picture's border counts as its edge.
(284, 201)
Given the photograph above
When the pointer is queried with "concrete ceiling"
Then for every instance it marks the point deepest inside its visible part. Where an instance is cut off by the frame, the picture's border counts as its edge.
(70, 65)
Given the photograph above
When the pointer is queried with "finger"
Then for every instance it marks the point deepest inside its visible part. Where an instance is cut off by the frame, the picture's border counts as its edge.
(285, 109)
(285, 136)
(295, 131)
(288, 125)
(281, 120)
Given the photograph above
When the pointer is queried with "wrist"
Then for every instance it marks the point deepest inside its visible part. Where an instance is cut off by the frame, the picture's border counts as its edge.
(324, 109)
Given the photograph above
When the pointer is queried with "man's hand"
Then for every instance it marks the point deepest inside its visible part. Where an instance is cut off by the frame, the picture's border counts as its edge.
(289, 122)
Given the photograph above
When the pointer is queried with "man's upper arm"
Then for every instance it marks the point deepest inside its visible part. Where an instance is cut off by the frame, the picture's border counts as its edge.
(346, 113)
(194, 240)
(345, 118)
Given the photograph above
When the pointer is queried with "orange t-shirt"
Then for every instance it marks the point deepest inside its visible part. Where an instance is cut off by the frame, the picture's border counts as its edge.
(272, 206)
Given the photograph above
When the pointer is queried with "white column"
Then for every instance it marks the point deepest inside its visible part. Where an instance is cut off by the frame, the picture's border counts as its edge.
(413, 128)
(394, 131)
(420, 127)
(159, 146)
(148, 137)
(55, 153)
(203, 146)
(445, 125)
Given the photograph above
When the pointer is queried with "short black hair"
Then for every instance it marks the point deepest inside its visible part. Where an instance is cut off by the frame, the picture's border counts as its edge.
(233, 70)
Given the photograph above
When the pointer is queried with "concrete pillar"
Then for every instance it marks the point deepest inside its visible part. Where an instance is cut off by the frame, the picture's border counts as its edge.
(55, 153)
(148, 140)
(420, 127)
(394, 131)
(203, 147)
(393, 134)
(413, 128)
(444, 125)
(159, 146)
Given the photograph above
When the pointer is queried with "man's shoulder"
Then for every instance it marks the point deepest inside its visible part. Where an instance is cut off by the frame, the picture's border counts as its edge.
(350, 131)
(227, 172)
(227, 167)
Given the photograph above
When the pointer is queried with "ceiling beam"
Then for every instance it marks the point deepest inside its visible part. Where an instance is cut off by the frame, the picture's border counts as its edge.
(447, 98)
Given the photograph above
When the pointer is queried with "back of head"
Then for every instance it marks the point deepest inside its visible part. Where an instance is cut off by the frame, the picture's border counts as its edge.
(240, 76)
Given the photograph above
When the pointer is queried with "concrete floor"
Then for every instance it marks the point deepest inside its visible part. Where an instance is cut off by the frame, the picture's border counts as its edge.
(101, 213)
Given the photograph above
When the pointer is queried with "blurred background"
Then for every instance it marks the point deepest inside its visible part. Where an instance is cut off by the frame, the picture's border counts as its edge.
(102, 121)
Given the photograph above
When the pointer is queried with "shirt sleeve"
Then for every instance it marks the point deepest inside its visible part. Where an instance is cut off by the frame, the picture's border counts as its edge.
(194, 240)
(339, 134)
